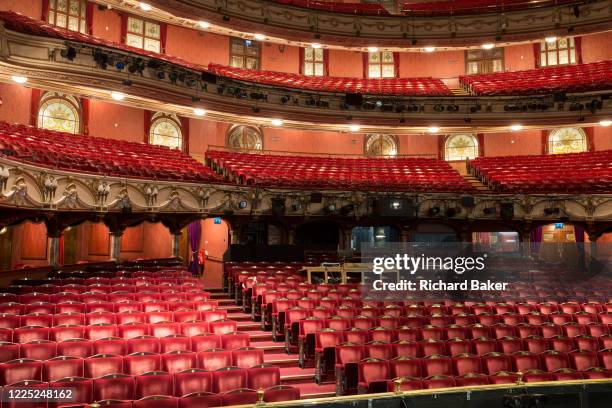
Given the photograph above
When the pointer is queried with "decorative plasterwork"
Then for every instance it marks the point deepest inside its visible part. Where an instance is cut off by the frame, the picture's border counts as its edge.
(24, 188)
(40, 60)
(284, 24)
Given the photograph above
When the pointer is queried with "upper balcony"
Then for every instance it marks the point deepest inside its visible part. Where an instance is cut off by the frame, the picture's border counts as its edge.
(411, 25)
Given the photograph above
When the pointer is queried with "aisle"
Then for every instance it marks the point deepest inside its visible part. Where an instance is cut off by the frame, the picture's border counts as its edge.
(291, 373)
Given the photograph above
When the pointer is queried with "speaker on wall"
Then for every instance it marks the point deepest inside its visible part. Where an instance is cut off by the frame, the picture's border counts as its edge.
(506, 211)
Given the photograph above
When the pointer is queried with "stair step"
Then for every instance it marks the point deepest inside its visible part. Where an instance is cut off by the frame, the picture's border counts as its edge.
(241, 317)
(226, 302)
(258, 335)
(269, 347)
(219, 295)
(231, 308)
(248, 326)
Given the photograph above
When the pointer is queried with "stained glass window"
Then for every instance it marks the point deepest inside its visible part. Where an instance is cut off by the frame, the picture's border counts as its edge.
(380, 145)
(59, 112)
(314, 61)
(559, 52)
(68, 14)
(461, 147)
(567, 140)
(244, 138)
(381, 64)
(166, 131)
(143, 34)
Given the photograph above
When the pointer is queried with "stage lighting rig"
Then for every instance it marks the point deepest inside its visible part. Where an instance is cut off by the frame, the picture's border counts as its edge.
(100, 58)
(136, 66)
(69, 53)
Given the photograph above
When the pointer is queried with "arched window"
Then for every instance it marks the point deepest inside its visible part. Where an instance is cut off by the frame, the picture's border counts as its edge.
(68, 14)
(59, 112)
(381, 145)
(567, 140)
(460, 147)
(166, 131)
(244, 138)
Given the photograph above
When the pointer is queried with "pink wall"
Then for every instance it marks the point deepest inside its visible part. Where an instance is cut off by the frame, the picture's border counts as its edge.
(114, 121)
(30, 8)
(597, 47)
(513, 143)
(519, 57)
(443, 64)
(345, 63)
(16, 103)
(280, 58)
(203, 133)
(312, 142)
(418, 144)
(107, 24)
(602, 137)
(197, 46)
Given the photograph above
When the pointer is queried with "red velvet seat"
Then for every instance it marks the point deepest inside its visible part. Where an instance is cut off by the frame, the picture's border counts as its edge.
(214, 359)
(263, 376)
(20, 370)
(114, 387)
(156, 401)
(229, 378)
(154, 383)
(193, 380)
(62, 367)
(141, 362)
(38, 350)
(281, 393)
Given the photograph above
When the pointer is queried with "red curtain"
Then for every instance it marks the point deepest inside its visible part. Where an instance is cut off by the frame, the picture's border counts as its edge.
(163, 35)
(124, 23)
(147, 125)
(301, 68)
(578, 46)
(45, 10)
(34, 106)
(185, 130)
(589, 137)
(85, 115)
(365, 64)
(396, 63)
(326, 62)
(536, 54)
(89, 13)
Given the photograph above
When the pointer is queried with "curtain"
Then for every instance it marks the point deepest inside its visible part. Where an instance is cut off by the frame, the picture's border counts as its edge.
(60, 258)
(124, 23)
(578, 47)
(194, 234)
(326, 62)
(579, 234)
(147, 125)
(536, 54)
(163, 35)
(301, 68)
(396, 63)
(536, 235)
(34, 106)
(45, 10)
(185, 131)
(89, 12)
(365, 64)
(85, 115)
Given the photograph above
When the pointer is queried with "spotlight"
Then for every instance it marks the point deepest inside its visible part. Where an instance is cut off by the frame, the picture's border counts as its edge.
(226, 18)
(296, 206)
(576, 106)
(322, 104)
(386, 108)
(344, 106)
(220, 89)
(190, 82)
(378, 104)
(136, 66)
(19, 79)
(240, 93)
(69, 53)
(118, 96)
(173, 76)
(330, 208)
(452, 108)
(153, 64)
(475, 108)
(242, 204)
(258, 96)
(594, 105)
(433, 211)
(368, 106)
(120, 65)
(438, 107)
(347, 209)
(400, 108)
(284, 99)
(100, 59)
(310, 101)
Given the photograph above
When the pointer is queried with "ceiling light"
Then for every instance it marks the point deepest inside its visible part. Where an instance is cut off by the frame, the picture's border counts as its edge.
(433, 129)
(199, 112)
(516, 127)
(3, 230)
(315, 45)
(19, 79)
(429, 49)
(354, 128)
(372, 49)
(260, 37)
(204, 24)
(550, 39)
(605, 122)
(118, 96)
(277, 122)
(145, 7)
(488, 46)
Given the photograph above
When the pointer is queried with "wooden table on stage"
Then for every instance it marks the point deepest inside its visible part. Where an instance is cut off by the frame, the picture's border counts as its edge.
(338, 274)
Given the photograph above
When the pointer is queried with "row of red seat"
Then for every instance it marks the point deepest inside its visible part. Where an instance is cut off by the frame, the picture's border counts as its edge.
(465, 7)
(565, 78)
(117, 386)
(194, 340)
(86, 388)
(589, 172)
(405, 174)
(375, 375)
(369, 9)
(426, 86)
(73, 152)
